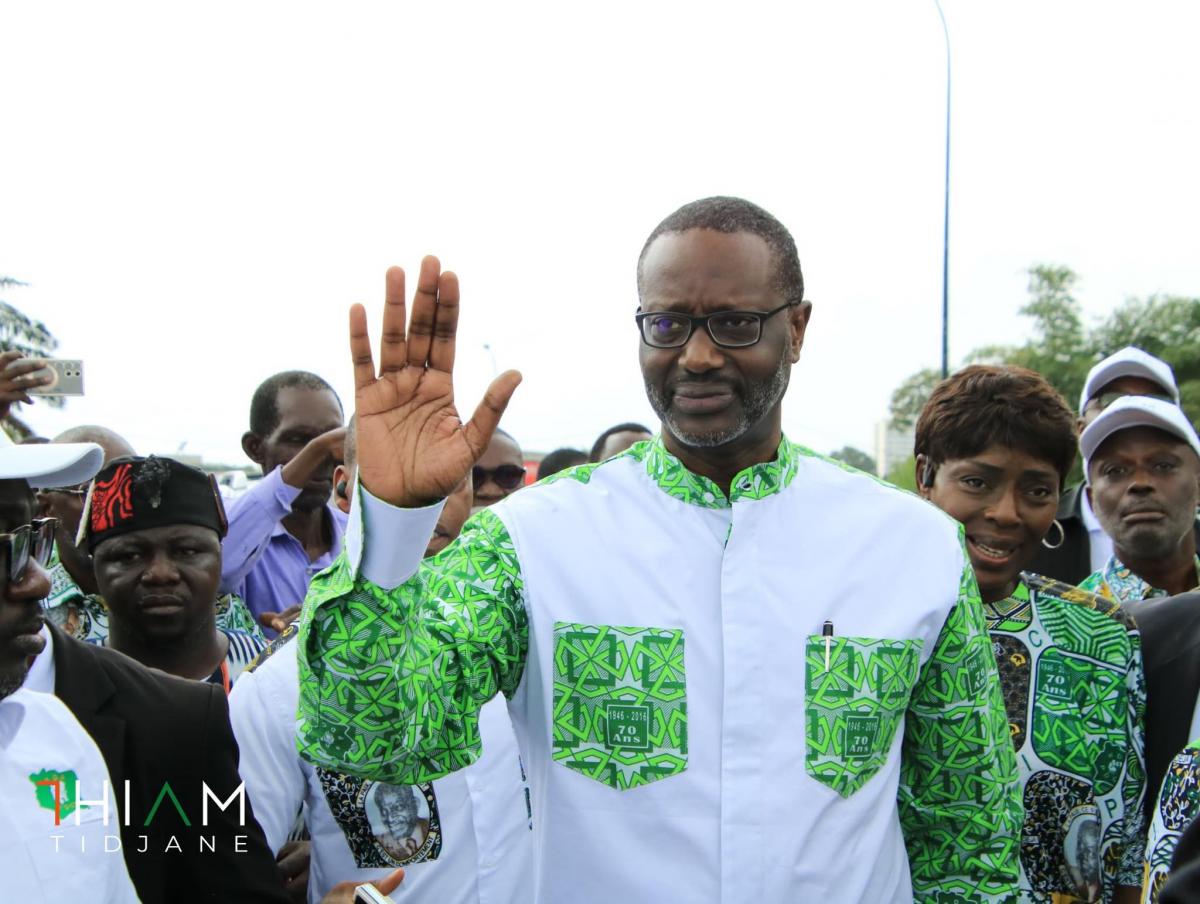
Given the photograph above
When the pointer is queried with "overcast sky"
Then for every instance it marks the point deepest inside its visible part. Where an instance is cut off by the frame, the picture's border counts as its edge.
(197, 193)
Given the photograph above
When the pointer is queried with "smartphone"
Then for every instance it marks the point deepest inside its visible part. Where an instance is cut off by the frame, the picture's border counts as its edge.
(66, 378)
(369, 894)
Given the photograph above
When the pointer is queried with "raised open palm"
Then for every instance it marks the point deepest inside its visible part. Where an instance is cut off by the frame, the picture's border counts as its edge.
(412, 447)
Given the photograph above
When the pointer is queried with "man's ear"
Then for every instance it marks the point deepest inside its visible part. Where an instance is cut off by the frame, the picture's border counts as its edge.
(798, 321)
(342, 488)
(1087, 488)
(252, 445)
(925, 473)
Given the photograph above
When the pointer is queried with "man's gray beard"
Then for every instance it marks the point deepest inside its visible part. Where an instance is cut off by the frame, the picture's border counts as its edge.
(760, 398)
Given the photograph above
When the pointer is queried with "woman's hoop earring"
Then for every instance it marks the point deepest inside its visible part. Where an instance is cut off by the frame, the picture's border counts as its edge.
(1062, 536)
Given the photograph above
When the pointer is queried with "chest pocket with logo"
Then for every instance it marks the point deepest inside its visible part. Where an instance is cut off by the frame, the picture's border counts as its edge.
(620, 703)
(852, 708)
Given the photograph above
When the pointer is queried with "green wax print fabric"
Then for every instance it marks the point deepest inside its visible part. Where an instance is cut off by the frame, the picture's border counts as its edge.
(1178, 806)
(1116, 582)
(960, 806)
(620, 703)
(756, 482)
(854, 704)
(234, 615)
(1071, 670)
(391, 683)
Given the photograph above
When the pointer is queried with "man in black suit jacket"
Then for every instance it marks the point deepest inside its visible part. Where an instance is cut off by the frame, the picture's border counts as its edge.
(1171, 656)
(155, 731)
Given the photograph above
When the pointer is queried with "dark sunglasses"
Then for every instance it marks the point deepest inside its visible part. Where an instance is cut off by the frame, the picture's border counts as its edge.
(728, 329)
(507, 477)
(79, 491)
(30, 541)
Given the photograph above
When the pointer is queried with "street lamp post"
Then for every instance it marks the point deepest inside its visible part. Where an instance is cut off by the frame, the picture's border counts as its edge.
(946, 213)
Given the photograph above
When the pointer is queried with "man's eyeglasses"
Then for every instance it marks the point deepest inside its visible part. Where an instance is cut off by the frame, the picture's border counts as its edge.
(507, 477)
(79, 491)
(30, 541)
(728, 329)
(1107, 398)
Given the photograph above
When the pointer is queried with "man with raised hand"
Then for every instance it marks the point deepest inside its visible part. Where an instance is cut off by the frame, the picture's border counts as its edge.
(737, 671)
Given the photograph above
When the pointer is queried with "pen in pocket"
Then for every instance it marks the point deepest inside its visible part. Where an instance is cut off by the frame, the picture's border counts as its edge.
(827, 633)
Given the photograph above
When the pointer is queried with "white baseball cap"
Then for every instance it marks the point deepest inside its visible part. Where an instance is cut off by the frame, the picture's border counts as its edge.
(51, 464)
(1128, 362)
(1136, 411)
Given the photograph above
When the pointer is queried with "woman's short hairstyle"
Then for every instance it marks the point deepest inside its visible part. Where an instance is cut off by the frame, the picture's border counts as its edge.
(983, 406)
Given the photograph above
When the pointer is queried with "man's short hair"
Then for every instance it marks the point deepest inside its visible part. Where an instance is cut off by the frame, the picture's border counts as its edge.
(984, 406)
(264, 405)
(560, 460)
(629, 427)
(731, 215)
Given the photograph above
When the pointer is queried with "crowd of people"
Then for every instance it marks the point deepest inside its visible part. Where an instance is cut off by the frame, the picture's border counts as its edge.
(697, 663)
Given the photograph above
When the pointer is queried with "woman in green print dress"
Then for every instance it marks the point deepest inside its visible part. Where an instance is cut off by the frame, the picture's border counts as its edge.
(994, 445)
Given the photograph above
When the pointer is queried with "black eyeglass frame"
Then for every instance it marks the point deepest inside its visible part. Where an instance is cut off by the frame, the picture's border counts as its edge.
(29, 541)
(480, 476)
(704, 320)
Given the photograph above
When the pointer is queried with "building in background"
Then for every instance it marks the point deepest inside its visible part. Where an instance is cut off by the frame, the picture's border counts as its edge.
(892, 446)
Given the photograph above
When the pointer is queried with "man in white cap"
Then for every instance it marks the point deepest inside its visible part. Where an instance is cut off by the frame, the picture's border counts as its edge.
(1084, 547)
(1142, 461)
(1142, 458)
(52, 836)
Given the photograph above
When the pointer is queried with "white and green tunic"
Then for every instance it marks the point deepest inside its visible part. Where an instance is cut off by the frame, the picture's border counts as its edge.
(1071, 669)
(660, 645)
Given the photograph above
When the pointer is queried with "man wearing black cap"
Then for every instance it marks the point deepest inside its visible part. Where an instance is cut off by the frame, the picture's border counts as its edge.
(153, 732)
(154, 528)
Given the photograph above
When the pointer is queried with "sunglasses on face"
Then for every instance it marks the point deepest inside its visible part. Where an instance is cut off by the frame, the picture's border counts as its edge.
(507, 477)
(79, 491)
(1107, 398)
(31, 541)
(727, 329)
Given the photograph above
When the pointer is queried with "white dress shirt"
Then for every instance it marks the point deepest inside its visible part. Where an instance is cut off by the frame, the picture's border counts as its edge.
(472, 841)
(742, 807)
(80, 859)
(1099, 543)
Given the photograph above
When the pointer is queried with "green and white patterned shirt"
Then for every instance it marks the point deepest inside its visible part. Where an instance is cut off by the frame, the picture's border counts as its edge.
(688, 733)
(1071, 669)
(1178, 806)
(1116, 582)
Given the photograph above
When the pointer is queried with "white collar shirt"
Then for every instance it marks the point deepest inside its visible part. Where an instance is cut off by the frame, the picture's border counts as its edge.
(79, 859)
(1100, 544)
(41, 673)
(472, 841)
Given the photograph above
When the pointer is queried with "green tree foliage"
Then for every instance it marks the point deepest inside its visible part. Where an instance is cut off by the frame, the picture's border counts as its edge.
(911, 395)
(1166, 326)
(1063, 349)
(32, 339)
(904, 474)
(855, 458)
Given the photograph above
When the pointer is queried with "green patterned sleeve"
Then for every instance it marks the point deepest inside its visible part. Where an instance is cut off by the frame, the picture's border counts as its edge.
(391, 682)
(1133, 788)
(960, 803)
